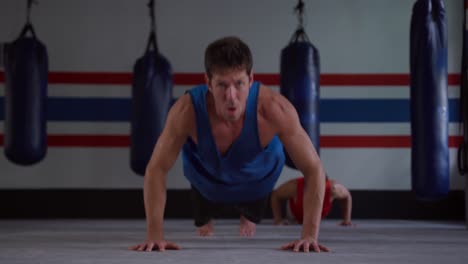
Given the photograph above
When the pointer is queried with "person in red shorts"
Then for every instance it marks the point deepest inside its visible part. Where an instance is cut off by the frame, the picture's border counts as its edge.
(292, 192)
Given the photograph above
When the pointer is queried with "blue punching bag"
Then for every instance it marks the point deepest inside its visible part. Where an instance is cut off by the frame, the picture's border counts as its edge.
(462, 155)
(300, 83)
(151, 100)
(429, 101)
(26, 70)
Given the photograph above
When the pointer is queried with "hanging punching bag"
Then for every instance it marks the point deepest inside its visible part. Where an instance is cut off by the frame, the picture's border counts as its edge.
(26, 69)
(151, 100)
(462, 155)
(300, 82)
(429, 101)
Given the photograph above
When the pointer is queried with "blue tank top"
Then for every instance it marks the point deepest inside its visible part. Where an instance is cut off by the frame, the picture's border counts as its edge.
(246, 172)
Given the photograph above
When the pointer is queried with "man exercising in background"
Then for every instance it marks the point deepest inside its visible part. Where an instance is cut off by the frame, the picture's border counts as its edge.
(292, 192)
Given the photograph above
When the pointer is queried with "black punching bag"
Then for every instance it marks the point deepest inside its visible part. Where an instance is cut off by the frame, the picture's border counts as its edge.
(151, 100)
(300, 83)
(26, 70)
(429, 100)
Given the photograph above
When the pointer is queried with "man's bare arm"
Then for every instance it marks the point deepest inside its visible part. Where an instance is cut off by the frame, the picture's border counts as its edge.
(301, 150)
(284, 192)
(178, 124)
(346, 202)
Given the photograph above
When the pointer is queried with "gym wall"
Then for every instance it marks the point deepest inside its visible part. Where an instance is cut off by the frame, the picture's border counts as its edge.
(360, 42)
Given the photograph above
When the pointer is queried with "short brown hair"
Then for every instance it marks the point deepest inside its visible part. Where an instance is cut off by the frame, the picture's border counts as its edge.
(227, 53)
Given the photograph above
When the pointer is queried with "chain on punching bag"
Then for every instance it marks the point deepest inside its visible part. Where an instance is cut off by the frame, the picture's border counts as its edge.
(151, 99)
(26, 70)
(300, 81)
(429, 100)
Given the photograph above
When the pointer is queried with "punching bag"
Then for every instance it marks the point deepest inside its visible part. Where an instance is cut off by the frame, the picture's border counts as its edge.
(300, 83)
(429, 101)
(151, 100)
(462, 155)
(26, 69)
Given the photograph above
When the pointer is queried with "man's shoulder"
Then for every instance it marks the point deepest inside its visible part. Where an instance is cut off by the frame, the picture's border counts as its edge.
(183, 108)
(181, 118)
(273, 105)
(266, 96)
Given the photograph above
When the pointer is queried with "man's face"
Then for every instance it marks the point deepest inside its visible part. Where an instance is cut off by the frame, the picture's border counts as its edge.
(230, 90)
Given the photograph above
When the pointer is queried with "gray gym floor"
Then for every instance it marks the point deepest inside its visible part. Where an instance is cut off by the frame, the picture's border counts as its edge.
(106, 241)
